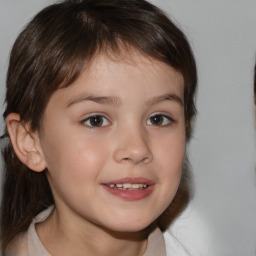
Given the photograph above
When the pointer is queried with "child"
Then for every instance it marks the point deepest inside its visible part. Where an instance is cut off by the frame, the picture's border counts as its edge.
(99, 103)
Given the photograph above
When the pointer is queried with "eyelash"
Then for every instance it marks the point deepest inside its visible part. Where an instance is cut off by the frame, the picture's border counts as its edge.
(166, 120)
(103, 121)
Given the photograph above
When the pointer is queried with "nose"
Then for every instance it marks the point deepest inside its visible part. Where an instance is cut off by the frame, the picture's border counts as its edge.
(133, 147)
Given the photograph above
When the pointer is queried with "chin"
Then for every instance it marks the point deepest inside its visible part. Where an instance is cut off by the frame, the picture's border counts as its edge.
(131, 225)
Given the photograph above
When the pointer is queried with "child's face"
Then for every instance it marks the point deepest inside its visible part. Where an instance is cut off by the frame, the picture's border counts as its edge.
(121, 122)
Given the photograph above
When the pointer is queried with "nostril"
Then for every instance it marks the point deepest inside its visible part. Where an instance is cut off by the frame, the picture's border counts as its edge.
(133, 156)
(148, 159)
(132, 148)
(126, 159)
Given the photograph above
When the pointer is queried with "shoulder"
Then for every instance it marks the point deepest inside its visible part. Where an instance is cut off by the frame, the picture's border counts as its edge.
(18, 246)
(156, 245)
(174, 246)
(28, 243)
(191, 231)
(164, 244)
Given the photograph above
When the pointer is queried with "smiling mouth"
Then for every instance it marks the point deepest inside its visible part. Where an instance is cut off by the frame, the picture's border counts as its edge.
(128, 186)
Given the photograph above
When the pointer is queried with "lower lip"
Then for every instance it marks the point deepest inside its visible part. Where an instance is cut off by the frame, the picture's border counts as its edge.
(130, 195)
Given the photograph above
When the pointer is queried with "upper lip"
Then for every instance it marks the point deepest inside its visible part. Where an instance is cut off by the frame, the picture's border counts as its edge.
(131, 180)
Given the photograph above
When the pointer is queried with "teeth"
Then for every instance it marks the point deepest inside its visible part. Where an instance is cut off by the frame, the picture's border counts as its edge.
(128, 186)
(136, 185)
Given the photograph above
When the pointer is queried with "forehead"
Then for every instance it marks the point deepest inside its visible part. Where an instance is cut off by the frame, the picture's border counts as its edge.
(123, 74)
(129, 64)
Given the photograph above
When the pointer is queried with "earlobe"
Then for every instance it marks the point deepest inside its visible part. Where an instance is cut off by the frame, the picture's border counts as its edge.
(25, 143)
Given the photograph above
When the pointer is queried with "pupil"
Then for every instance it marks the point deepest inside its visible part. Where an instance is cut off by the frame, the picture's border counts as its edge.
(156, 120)
(96, 121)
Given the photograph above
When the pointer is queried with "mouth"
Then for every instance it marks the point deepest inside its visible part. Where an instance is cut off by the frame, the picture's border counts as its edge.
(130, 188)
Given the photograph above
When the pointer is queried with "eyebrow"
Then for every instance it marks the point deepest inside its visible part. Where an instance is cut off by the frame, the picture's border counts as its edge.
(116, 101)
(96, 99)
(166, 97)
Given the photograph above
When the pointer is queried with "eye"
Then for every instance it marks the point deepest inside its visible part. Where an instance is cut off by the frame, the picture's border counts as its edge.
(159, 120)
(95, 121)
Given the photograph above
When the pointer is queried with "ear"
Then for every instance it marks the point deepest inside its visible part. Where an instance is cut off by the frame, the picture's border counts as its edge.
(26, 144)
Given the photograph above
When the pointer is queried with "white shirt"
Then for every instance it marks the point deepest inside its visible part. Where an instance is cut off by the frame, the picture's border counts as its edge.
(29, 244)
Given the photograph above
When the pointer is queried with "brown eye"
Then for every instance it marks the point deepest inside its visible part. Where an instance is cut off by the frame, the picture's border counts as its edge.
(159, 120)
(96, 121)
(156, 120)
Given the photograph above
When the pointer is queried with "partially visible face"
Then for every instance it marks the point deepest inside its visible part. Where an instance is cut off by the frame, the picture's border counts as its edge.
(114, 142)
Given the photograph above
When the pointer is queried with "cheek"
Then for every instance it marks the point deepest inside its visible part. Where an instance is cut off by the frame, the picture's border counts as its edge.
(170, 154)
(73, 158)
(171, 151)
(74, 169)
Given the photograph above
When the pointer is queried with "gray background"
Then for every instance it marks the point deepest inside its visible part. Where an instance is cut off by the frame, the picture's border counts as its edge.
(221, 219)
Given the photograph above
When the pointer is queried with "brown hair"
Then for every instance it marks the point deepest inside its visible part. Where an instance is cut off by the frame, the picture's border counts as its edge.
(50, 53)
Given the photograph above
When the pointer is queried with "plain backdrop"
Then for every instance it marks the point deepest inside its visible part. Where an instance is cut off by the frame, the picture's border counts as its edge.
(221, 219)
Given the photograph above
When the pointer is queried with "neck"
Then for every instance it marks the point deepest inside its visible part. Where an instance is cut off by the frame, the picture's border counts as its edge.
(63, 237)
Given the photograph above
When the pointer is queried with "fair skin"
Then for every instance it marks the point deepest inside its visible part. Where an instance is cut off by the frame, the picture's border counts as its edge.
(136, 138)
